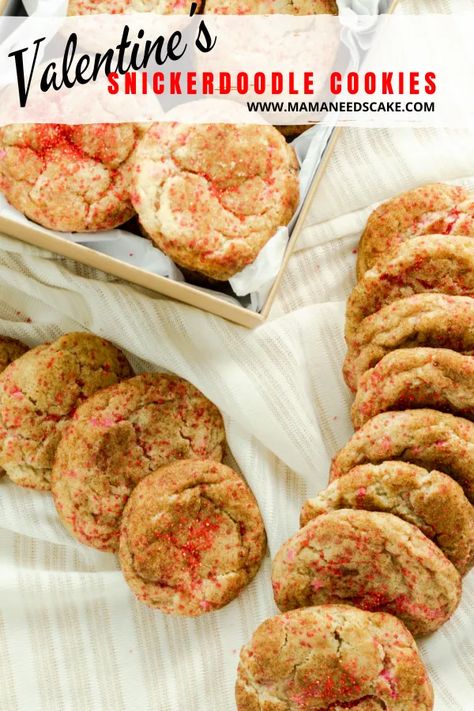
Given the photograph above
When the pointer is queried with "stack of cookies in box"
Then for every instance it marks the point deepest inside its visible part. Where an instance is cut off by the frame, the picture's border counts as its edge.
(135, 467)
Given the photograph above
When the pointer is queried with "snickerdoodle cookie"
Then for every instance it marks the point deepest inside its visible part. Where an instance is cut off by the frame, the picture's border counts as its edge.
(431, 209)
(416, 377)
(69, 178)
(270, 7)
(212, 195)
(373, 560)
(332, 657)
(39, 393)
(434, 320)
(422, 264)
(428, 499)
(428, 438)
(123, 7)
(191, 538)
(121, 435)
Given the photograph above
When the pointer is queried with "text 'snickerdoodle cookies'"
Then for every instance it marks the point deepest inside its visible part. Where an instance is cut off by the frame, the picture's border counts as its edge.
(121, 435)
(422, 264)
(428, 438)
(430, 500)
(69, 178)
(434, 320)
(430, 209)
(39, 393)
(332, 657)
(212, 195)
(372, 560)
(416, 377)
(191, 538)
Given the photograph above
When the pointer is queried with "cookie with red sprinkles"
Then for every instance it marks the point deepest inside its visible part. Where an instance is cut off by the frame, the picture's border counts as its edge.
(430, 500)
(433, 320)
(373, 560)
(409, 378)
(192, 537)
(270, 7)
(124, 7)
(69, 178)
(39, 393)
(212, 195)
(121, 435)
(428, 438)
(436, 208)
(421, 264)
(332, 657)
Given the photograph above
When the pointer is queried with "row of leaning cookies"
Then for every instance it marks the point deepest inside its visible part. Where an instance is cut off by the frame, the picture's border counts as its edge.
(134, 464)
(409, 332)
(391, 534)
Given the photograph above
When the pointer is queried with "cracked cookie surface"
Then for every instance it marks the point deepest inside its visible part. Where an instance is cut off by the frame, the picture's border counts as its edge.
(428, 438)
(40, 391)
(121, 435)
(431, 209)
(212, 195)
(269, 7)
(69, 178)
(422, 264)
(430, 500)
(122, 7)
(416, 377)
(430, 320)
(375, 561)
(192, 537)
(332, 657)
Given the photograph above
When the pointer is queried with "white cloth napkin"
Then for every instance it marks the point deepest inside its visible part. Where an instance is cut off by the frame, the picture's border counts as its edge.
(72, 637)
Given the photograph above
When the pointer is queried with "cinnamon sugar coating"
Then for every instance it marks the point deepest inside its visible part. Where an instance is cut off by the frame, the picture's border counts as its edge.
(212, 195)
(375, 561)
(422, 264)
(10, 350)
(430, 500)
(409, 378)
(431, 209)
(121, 435)
(192, 538)
(69, 178)
(428, 438)
(39, 393)
(433, 320)
(330, 658)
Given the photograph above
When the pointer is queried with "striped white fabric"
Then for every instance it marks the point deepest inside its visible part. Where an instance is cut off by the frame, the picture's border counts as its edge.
(72, 637)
